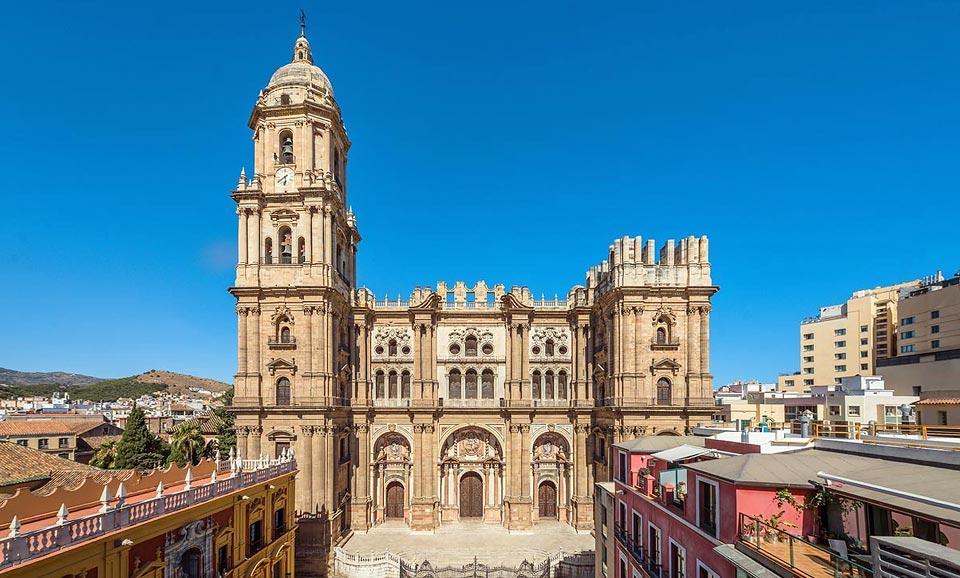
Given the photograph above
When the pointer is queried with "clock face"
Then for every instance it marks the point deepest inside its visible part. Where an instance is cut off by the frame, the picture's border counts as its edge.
(285, 178)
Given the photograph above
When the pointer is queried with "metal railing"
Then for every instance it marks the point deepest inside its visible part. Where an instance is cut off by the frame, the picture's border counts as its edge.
(794, 553)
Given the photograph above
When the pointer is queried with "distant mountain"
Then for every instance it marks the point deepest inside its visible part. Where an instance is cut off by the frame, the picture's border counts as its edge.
(180, 383)
(13, 377)
(26, 384)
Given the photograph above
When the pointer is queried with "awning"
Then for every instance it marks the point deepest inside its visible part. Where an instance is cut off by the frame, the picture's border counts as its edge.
(679, 453)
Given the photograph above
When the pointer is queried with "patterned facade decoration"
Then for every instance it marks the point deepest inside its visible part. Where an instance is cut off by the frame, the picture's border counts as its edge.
(462, 401)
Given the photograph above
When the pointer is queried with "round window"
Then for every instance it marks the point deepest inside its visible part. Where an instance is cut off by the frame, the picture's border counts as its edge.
(562, 350)
(379, 350)
(487, 349)
(454, 349)
(405, 350)
(536, 350)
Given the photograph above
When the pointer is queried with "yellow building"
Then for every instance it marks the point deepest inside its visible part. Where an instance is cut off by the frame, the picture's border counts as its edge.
(847, 339)
(927, 362)
(221, 518)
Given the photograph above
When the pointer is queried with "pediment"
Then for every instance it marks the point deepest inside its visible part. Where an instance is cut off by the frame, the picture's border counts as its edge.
(283, 216)
(665, 365)
(281, 365)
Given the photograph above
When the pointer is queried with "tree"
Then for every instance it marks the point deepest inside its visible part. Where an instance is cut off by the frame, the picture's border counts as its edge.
(105, 456)
(187, 446)
(138, 448)
(226, 431)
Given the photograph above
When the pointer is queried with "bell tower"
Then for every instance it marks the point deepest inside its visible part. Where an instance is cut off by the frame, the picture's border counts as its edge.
(295, 279)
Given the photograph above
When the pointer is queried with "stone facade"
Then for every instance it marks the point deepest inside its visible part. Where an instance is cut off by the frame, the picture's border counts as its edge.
(461, 401)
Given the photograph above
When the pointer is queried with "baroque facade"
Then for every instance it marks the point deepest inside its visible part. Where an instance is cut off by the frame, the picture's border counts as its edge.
(464, 401)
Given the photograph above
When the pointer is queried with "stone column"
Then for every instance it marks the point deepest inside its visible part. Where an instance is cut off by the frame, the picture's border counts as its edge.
(319, 469)
(328, 237)
(316, 236)
(305, 463)
(254, 317)
(254, 238)
(241, 345)
(524, 460)
(242, 243)
(255, 433)
(705, 339)
(308, 236)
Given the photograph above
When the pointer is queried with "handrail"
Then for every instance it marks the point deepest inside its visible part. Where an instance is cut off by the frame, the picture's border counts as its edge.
(787, 549)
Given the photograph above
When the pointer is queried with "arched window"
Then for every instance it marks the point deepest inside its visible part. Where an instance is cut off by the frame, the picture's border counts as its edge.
(454, 385)
(286, 245)
(285, 98)
(470, 344)
(536, 385)
(392, 384)
(392, 347)
(284, 334)
(664, 393)
(336, 166)
(286, 147)
(283, 391)
(268, 251)
(470, 386)
(548, 392)
(548, 347)
(339, 259)
(379, 381)
(562, 385)
(486, 384)
(661, 336)
(405, 385)
(301, 250)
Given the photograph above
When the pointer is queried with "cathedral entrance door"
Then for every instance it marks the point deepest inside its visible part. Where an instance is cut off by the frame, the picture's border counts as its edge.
(548, 500)
(471, 496)
(394, 510)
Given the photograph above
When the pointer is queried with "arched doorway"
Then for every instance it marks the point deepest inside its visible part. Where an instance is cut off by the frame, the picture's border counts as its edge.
(471, 496)
(190, 563)
(394, 505)
(547, 497)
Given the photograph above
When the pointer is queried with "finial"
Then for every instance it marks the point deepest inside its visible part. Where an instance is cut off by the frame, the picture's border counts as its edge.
(14, 527)
(303, 24)
(62, 514)
(105, 500)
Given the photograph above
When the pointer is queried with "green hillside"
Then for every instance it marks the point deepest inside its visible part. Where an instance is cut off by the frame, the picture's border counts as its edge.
(110, 389)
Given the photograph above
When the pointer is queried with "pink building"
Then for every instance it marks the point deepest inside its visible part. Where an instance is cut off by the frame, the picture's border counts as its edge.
(700, 510)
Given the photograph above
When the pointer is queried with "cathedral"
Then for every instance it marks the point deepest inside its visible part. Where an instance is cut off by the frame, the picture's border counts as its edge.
(463, 403)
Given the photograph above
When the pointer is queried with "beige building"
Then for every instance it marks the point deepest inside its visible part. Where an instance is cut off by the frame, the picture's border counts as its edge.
(927, 363)
(847, 339)
(462, 402)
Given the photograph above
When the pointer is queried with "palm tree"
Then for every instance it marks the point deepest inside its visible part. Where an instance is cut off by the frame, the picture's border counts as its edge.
(187, 445)
(105, 456)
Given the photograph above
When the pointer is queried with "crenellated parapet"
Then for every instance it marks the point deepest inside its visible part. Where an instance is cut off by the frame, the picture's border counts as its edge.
(633, 262)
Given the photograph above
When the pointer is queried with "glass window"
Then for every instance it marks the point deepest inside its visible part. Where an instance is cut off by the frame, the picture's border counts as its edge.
(935, 314)
(486, 384)
(454, 385)
(470, 386)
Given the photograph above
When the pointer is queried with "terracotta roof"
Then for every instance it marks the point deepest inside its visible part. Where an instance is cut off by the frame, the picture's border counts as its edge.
(939, 401)
(18, 464)
(26, 427)
(653, 444)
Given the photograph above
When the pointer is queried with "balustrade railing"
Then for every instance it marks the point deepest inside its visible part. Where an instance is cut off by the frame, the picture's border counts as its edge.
(18, 547)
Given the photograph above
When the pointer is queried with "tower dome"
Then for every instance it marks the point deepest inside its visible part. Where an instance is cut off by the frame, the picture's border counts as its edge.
(301, 71)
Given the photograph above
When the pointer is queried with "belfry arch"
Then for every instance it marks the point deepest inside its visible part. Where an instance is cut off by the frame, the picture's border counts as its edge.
(471, 475)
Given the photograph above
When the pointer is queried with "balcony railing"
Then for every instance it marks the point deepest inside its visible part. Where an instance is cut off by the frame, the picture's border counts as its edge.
(461, 402)
(391, 402)
(19, 547)
(799, 556)
(632, 545)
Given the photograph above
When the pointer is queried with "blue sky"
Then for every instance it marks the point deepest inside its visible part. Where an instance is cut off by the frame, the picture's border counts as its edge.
(816, 144)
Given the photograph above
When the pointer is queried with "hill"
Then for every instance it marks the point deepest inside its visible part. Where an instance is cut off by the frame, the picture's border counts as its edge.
(24, 384)
(181, 383)
(13, 377)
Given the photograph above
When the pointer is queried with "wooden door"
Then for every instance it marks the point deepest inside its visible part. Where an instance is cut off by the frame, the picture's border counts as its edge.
(394, 508)
(548, 500)
(471, 496)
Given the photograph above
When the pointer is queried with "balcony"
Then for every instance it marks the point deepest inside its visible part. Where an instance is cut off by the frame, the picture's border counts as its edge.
(287, 343)
(391, 402)
(894, 557)
(89, 523)
(460, 402)
(631, 545)
(794, 554)
(664, 345)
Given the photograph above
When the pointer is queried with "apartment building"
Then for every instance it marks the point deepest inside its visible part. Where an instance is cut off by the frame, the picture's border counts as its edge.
(848, 338)
(927, 362)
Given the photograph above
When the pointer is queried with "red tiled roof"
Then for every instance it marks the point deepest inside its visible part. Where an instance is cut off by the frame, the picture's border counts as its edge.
(18, 463)
(939, 401)
(27, 427)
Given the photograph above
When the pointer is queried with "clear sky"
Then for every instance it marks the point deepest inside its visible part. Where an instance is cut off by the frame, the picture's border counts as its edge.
(816, 143)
